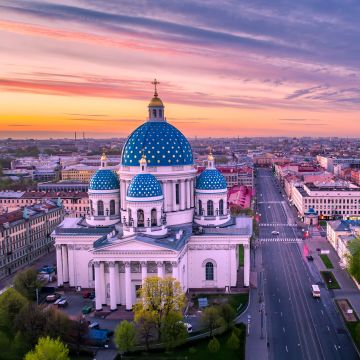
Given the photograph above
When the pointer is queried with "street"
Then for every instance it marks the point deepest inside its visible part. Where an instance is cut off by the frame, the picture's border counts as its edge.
(298, 326)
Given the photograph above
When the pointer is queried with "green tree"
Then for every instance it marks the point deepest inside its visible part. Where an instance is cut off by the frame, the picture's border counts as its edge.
(173, 330)
(125, 336)
(211, 318)
(11, 303)
(213, 346)
(228, 313)
(49, 349)
(76, 335)
(354, 259)
(160, 297)
(146, 325)
(357, 334)
(233, 341)
(26, 282)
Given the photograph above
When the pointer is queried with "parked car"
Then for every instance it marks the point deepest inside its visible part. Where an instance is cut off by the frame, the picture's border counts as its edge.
(94, 325)
(53, 297)
(92, 295)
(63, 302)
(86, 309)
(310, 258)
(188, 326)
(275, 232)
(86, 294)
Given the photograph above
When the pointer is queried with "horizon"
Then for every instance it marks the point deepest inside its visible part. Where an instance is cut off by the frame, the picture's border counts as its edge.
(83, 66)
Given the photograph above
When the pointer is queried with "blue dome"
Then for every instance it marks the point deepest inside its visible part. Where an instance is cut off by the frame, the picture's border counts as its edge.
(162, 143)
(143, 186)
(211, 179)
(104, 179)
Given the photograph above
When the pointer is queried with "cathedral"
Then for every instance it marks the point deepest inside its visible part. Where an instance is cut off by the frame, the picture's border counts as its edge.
(156, 216)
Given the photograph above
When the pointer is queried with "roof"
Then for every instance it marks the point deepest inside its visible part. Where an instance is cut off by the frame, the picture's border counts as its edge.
(104, 179)
(144, 186)
(211, 179)
(161, 143)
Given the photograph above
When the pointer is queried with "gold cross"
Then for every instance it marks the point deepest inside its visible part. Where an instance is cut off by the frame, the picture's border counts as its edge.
(155, 83)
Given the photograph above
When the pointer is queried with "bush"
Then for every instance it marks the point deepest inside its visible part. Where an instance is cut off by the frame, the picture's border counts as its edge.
(214, 345)
(233, 342)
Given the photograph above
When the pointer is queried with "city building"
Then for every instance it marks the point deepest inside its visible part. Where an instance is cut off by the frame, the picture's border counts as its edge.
(331, 200)
(156, 217)
(64, 185)
(25, 234)
(80, 172)
(329, 163)
(340, 233)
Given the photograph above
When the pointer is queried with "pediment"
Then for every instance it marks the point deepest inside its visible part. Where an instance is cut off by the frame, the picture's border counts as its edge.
(132, 245)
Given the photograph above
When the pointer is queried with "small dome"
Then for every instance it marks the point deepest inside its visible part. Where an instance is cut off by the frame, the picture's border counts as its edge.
(104, 179)
(144, 186)
(156, 101)
(211, 179)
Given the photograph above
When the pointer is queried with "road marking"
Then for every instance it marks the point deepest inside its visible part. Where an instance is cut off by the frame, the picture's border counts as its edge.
(286, 348)
(281, 314)
(335, 347)
(328, 328)
(291, 240)
(283, 329)
(279, 300)
(322, 312)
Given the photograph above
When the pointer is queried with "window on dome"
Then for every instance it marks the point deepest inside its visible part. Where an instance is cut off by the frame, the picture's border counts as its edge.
(154, 112)
(209, 271)
(177, 193)
(221, 207)
(160, 113)
(153, 217)
(100, 208)
(112, 207)
(210, 208)
(140, 218)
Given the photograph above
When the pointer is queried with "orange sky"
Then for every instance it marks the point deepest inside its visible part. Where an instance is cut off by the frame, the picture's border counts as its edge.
(78, 67)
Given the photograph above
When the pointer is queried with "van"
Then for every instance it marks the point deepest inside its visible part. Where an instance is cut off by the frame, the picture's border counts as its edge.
(315, 291)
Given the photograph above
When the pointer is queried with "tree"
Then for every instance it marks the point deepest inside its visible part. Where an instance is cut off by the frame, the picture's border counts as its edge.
(125, 336)
(146, 324)
(160, 297)
(213, 346)
(11, 303)
(228, 313)
(49, 349)
(354, 259)
(211, 318)
(78, 329)
(173, 330)
(233, 342)
(26, 282)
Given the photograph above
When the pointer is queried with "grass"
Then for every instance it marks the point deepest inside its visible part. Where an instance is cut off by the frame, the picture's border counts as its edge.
(199, 350)
(241, 255)
(327, 262)
(322, 223)
(237, 301)
(330, 280)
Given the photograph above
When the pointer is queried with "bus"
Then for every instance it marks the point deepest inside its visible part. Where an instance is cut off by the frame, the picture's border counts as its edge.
(315, 291)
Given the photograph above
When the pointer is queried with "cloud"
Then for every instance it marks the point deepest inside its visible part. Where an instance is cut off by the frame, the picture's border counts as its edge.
(19, 125)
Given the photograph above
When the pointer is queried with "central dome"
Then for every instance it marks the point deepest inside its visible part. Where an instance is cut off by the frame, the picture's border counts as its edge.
(162, 143)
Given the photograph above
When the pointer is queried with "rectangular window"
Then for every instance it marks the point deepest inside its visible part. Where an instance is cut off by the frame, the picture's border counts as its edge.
(177, 191)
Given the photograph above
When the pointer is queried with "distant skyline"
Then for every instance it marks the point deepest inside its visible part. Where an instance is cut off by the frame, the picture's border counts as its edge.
(226, 68)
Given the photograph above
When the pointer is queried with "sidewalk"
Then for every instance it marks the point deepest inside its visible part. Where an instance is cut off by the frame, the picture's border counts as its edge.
(255, 345)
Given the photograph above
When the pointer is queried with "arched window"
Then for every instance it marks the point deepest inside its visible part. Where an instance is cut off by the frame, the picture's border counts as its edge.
(140, 218)
(221, 207)
(112, 207)
(91, 207)
(100, 208)
(154, 112)
(160, 113)
(210, 208)
(153, 217)
(129, 217)
(200, 207)
(209, 271)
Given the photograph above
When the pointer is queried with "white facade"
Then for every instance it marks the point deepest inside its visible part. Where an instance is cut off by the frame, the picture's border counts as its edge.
(153, 230)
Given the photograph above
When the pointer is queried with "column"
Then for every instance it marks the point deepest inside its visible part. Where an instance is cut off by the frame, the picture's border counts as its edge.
(98, 298)
(174, 195)
(71, 264)
(192, 199)
(65, 264)
(160, 269)
(102, 283)
(182, 195)
(59, 266)
(246, 265)
(128, 295)
(112, 275)
(165, 193)
(143, 271)
(175, 270)
(188, 194)
(123, 194)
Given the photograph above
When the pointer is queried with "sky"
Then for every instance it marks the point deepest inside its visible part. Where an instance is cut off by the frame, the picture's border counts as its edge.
(226, 68)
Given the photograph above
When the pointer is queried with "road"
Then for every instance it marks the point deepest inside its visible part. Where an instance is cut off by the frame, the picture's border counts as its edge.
(298, 326)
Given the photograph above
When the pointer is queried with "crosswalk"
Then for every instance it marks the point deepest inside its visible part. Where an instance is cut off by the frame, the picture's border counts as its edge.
(271, 202)
(277, 225)
(283, 240)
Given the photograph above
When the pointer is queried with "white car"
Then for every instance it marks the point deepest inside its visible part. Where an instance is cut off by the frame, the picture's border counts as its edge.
(188, 326)
(275, 232)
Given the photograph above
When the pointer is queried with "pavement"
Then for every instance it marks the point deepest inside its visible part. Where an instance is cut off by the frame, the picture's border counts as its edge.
(297, 325)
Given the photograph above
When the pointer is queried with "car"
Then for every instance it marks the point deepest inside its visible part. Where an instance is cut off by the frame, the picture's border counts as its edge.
(63, 302)
(310, 258)
(318, 249)
(86, 309)
(92, 295)
(86, 294)
(53, 297)
(188, 326)
(275, 232)
(94, 325)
